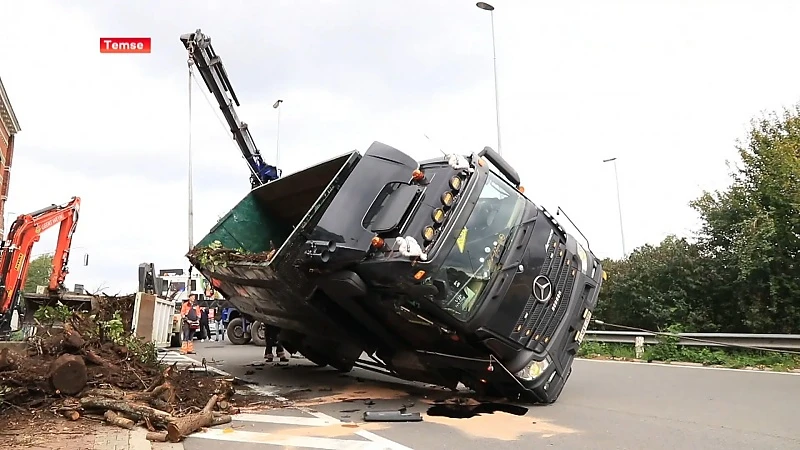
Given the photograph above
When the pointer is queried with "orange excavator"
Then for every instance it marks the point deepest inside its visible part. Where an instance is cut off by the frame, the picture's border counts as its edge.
(15, 256)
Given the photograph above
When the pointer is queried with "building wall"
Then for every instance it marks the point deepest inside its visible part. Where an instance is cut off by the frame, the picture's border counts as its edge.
(6, 145)
(9, 127)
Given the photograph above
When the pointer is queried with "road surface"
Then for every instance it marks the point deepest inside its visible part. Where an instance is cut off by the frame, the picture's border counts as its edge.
(605, 405)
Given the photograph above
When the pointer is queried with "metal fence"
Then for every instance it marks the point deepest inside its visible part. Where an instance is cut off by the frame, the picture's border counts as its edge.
(770, 341)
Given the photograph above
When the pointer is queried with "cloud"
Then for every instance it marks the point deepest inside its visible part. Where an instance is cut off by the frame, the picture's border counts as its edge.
(667, 89)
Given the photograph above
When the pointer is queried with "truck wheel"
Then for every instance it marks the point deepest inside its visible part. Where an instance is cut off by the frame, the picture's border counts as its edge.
(342, 365)
(258, 332)
(236, 333)
(314, 357)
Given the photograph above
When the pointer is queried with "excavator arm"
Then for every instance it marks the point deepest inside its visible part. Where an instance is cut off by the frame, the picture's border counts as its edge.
(15, 252)
(209, 64)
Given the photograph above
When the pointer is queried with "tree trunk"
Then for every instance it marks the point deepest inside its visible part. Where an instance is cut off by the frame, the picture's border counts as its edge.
(181, 427)
(220, 420)
(133, 410)
(68, 374)
(104, 392)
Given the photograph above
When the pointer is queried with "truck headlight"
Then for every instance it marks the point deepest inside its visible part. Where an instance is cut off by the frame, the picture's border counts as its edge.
(534, 369)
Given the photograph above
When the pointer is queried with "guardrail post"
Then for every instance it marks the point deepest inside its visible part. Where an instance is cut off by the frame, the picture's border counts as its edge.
(638, 344)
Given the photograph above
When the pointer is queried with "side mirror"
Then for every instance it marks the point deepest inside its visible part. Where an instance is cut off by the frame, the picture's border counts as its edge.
(86, 259)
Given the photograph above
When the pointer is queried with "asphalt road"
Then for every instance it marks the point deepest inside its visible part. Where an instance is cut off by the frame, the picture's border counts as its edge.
(605, 405)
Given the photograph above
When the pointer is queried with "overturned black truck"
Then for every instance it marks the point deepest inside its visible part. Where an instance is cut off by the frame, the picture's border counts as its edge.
(439, 271)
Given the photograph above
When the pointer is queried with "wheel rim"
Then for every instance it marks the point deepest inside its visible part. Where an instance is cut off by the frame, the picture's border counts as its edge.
(238, 331)
(261, 332)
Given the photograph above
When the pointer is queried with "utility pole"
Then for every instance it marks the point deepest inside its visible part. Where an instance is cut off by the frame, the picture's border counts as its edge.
(278, 139)
(487, 7)
(619, 204)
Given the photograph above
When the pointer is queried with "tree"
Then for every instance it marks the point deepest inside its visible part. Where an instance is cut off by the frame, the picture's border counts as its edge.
(753, 228)
(743, 273)
(659, 286)
(39, 273)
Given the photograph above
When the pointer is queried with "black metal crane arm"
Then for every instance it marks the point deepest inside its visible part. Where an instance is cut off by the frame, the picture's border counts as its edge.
(209, 64)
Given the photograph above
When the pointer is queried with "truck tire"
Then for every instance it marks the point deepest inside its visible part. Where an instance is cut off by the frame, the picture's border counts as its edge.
(314, 357)
(236, 333)
(258, 334)
(343, 365)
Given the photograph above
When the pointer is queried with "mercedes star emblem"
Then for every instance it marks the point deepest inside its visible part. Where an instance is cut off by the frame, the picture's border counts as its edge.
(542, 289)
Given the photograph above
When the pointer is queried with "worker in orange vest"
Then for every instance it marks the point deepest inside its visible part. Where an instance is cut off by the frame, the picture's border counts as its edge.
(190, 322)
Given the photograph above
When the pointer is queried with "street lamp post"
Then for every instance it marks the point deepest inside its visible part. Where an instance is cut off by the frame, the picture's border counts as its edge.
(278, 139)
(6, 220)
(490, 8)
(619, 204)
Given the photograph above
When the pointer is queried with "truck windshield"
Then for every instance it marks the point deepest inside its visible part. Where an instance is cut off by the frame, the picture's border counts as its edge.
(477, 247)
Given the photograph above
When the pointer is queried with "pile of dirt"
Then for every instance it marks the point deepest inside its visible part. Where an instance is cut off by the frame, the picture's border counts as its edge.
(84, 369)
(66, 360)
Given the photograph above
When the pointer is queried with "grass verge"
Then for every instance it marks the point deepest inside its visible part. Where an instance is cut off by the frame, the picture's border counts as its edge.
(708, 356)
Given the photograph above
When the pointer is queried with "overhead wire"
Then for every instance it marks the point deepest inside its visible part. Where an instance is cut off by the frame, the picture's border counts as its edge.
(689, 338)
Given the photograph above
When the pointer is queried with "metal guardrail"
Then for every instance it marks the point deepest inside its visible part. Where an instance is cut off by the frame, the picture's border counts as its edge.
(771, 341)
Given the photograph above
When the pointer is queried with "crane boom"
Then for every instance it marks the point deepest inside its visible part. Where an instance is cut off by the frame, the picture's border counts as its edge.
(15, 252)
(209, 64)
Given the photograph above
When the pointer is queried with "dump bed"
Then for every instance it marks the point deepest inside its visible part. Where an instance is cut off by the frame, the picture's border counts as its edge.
(267, 228)
(304, 216)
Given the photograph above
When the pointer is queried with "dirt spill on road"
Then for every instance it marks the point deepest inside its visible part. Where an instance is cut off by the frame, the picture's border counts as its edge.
(351, 393)
(503, 421)
(501, 426)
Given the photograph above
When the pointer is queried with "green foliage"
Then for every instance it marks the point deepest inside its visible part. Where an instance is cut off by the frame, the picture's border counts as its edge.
(51, 314)
(39, 272)
(708, 356)
(114, 331)
(213, 255)
(743, 273)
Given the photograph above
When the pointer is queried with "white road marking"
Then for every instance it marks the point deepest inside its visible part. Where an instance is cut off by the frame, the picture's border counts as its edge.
(229, 434)
(288, 420)
(678, 366)
(318, 419)
(387, 444)
(253, 437)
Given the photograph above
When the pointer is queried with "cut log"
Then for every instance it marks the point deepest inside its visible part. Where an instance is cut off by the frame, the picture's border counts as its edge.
(132, 410)
(220, 420)
(107, 393)
(71, 415)
(179, 428)
(68, 374)
(157, 436)
(164, 392)
(114, 419)
(72, 339)
(8, 359)
(93, 358)
(161, 405)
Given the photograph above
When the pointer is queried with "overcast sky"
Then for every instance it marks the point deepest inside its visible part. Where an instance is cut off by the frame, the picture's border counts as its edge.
(665, 86)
